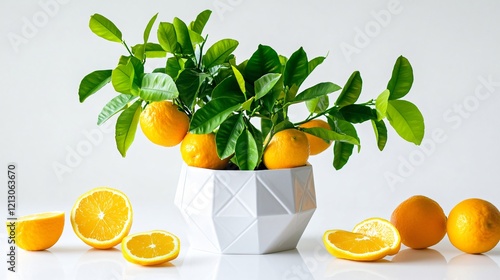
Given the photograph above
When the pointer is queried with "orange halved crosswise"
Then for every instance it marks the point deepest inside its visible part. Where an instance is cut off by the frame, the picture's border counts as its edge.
(355, 246)
(382, 229)
(102, 217)
(151, 248)
(37, 232)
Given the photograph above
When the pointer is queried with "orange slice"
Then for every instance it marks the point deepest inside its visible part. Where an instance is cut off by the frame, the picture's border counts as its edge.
(102, 217)
(355, 246)
(151, 248)
(37, 231)
(382, 229)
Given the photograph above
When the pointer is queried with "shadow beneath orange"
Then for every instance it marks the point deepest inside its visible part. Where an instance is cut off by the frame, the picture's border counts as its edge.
(39, 265)
(430, 256)
(468, 266)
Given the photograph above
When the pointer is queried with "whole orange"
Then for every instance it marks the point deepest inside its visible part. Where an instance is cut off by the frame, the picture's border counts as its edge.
(287, 149)
(163, 123)
(316, 144)
(474, 226)
(421, 222)
(200, 150)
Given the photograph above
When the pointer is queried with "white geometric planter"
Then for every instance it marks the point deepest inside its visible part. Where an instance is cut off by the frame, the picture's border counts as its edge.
(246, 212)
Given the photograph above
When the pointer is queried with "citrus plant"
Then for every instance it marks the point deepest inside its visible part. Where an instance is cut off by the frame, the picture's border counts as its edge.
(244, 104)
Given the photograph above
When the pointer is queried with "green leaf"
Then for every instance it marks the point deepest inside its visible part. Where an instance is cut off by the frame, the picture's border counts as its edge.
(314, 63)
(358, 113)
(265, 126)
(246, 153)
(188, 83)
(93, 82)
(114, 106)
(296, 69)
(380, 133)
(265, 84)
(219, 52)
(341, 154)
(401, 80)
(139, 51)
(160, 70)
(247, 105)
(104, 28)
(351, 91)
(158, 87)
(183, 38)
(200, 22)
(228, 134)
(210, 116)
(239, 79)
(407, 120)
(147, 31)
(318, 105)
(264, 60)
(126, 126)
(173, 67)
(342, 151)
(330, 135)
(228, 88)
(138, 72)
(316, 91)
(167, 37)
(195, 38)
(343, 127)
(154, 50)
(122, 78)
(259, 140)
(381, 104)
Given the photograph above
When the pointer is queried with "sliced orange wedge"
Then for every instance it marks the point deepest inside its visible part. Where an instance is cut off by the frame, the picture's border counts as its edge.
(355, 246)
(102, 217)
(151, 248)
(382, 229)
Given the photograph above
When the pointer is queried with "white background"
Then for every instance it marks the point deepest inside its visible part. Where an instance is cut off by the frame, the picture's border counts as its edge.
(452, 45)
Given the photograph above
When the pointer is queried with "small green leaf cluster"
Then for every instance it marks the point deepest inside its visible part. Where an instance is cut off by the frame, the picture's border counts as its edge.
(243, 103)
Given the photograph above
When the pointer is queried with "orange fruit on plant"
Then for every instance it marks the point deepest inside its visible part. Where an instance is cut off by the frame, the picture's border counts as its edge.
(316, 144)
(200, 150)
(420, 221)
(37, 232)
(474, 226)
(151, 248)
(382, 229)
(355, 246)
(287, 149)
(102, 217)
(163, 123)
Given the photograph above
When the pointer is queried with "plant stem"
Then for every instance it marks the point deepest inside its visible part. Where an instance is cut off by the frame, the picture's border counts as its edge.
(201, 53)
(128, 49)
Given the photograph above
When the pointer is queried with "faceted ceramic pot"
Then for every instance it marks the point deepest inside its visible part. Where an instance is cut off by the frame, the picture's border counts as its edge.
(246, 212)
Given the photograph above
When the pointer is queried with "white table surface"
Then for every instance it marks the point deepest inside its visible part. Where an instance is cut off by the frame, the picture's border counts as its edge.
(71, 259)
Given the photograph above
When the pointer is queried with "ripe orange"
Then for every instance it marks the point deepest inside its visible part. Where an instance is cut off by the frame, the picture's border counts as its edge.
(102, 217)
(382, 229)
(420, 221)
(355, 246)
(151, 248)
(163, 123)
(316, 144)
(474, 226)
(287, 149)
(199, 150)
(37, 231)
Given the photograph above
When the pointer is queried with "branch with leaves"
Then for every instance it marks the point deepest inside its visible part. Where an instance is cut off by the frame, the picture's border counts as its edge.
(228, 98)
